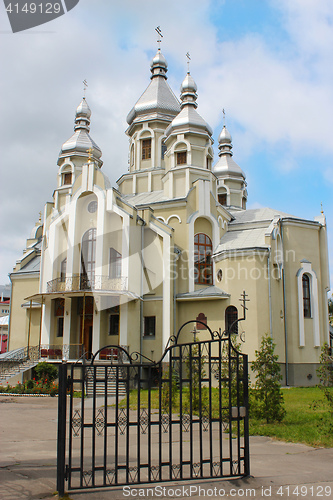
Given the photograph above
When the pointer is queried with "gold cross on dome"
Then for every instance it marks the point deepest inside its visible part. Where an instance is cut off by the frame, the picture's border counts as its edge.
(90, 152)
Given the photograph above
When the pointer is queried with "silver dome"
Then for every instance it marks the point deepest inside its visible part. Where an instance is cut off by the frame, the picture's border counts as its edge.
(83, 109)
(224, 136)
(188, 84)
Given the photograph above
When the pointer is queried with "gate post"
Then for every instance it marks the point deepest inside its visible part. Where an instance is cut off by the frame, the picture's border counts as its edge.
(61, 443)
(246, 419)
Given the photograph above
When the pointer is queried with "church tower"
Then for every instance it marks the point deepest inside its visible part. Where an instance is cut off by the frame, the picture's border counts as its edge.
(148, 120)
(231, 187)
(188, 141)
(75, 152)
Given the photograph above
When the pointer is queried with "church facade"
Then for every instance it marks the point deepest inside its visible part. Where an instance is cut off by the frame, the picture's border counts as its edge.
(174, 242)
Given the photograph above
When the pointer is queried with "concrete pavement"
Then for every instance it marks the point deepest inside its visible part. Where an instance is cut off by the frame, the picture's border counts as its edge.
(28, 464)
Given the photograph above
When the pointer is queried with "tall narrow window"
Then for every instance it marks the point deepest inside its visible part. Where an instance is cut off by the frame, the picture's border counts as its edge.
(222, 198)
(114, 321)
(306, 296)
(181, 158)
(203, 259)
(231, 316)
(59, 311)
(146, 149)
(115, 264)
(63, 267)
(163, 150)
(67, 178)
(88, 257)
(132, 156)
(149, 326)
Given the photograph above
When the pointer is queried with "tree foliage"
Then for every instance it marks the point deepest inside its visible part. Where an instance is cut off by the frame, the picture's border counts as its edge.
(46, 372)
(325, 374)
(268, 400)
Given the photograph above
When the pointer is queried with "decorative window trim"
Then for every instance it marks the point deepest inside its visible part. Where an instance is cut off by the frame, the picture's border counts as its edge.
(306, 268)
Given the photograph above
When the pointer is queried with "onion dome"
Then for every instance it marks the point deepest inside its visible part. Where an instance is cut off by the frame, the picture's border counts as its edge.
(226, 165)
(158, 65)
(80, 142)
(158, 100)
(188, 116)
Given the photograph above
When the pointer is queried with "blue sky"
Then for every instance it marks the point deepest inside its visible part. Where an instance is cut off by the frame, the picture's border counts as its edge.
(268, 63)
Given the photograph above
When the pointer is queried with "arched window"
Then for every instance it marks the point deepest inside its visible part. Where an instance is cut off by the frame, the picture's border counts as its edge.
(203, 318)
(306, 296)
(181, 157)
(66, 178)
(146, 149)
(132, 156)
(231, 315)
(88, 258)
(203, 259)
(222, 197)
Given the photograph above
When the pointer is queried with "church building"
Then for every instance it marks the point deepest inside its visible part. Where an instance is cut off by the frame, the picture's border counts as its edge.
(174, 241)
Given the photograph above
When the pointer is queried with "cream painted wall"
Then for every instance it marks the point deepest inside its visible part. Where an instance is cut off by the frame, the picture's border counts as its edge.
(18, 328)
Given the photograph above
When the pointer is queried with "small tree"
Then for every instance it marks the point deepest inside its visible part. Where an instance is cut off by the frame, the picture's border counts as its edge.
(268, 399)
(46, 372)
(325, 374)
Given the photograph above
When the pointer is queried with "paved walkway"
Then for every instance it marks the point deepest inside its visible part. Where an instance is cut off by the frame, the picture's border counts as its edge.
(28, 464)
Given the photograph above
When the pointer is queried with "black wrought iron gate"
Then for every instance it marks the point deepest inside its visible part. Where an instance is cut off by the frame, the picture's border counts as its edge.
(137, 421)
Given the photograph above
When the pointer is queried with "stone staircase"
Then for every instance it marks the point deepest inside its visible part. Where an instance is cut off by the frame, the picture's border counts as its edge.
(101, 384)
(16, 362)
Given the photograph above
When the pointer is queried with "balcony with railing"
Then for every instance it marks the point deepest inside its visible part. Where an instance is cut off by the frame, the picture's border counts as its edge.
(81, 282)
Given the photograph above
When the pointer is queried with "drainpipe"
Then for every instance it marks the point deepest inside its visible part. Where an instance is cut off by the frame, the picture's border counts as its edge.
(177, 253)
(40, 325)
(141, 291)
(284, 312)
(270, 292)
(29, 328)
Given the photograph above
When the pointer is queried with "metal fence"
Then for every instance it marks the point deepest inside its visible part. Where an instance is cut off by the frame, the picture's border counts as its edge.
(184, 417)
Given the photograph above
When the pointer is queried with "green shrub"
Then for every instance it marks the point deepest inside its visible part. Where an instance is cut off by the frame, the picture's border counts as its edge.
(267, 401)
(46, 372)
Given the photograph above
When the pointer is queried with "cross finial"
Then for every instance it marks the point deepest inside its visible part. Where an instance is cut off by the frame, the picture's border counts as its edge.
(188, 61)
(85, 85)
(159, 32)
(40, 217)
(322, 210)
(223, 117)
(90, 152)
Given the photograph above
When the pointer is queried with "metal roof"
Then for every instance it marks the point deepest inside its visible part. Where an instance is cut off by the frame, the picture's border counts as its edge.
(210, 292)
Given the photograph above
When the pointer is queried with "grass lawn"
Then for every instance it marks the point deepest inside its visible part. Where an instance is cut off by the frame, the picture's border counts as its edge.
(303, 423)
